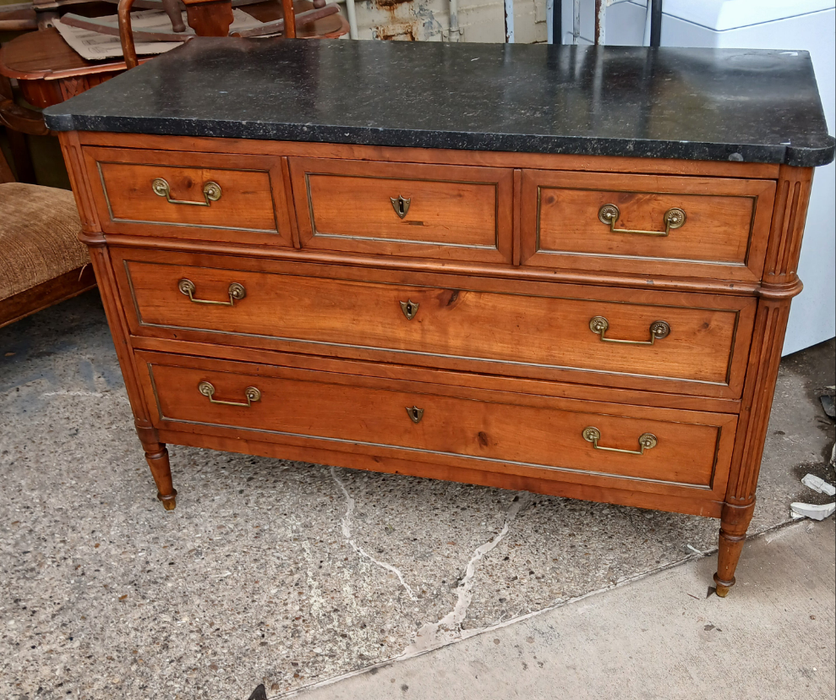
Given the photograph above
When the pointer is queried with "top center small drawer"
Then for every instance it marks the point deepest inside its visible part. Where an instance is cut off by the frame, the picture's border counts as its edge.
(432, 211)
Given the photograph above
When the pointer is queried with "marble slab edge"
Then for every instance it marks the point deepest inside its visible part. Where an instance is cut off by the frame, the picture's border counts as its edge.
(805, 157)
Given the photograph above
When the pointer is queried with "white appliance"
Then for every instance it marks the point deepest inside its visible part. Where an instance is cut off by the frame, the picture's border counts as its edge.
(761, 24)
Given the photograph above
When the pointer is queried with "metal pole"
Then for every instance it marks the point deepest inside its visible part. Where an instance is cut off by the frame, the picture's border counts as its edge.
(576, 21)
(656, 23)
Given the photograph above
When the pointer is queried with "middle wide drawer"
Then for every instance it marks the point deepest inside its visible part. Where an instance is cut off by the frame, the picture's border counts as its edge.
(662, 341)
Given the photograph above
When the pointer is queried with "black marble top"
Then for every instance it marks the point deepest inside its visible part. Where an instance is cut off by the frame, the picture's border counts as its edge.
(698, 104)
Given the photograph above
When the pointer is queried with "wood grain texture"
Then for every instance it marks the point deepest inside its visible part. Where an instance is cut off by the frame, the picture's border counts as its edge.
(541, 334)
(505, 431)
(500, 357)
(437, 376)
(441, 469)
(723, 234)
(252, 201)
(453, 213)
(780, 283)
(80, 183)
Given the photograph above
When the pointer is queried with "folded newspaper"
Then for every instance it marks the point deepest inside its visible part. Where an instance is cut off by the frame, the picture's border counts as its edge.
(94, 46)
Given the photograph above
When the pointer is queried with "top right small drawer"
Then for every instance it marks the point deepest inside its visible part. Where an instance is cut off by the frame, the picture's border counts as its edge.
(651, 225)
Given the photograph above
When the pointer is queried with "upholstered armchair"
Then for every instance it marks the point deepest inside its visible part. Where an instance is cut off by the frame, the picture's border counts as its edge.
(41, 260)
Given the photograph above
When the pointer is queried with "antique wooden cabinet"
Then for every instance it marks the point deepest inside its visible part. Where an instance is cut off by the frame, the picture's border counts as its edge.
(556, 269)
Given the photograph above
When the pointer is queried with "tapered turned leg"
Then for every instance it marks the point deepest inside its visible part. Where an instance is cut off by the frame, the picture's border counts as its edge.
(733, 526)
(157, 456)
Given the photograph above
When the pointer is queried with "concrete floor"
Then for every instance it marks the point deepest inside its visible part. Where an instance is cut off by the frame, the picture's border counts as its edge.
(291, 574)
(659, 637)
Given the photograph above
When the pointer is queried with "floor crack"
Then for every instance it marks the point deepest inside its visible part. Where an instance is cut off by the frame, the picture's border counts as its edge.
(346, 528)
(448, 628)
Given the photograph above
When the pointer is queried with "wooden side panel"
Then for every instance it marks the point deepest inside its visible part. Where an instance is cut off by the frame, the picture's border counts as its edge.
(723, 235)
(414, 210)
(503, 431)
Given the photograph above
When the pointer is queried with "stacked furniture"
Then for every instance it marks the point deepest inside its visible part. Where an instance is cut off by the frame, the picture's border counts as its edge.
(556, 269)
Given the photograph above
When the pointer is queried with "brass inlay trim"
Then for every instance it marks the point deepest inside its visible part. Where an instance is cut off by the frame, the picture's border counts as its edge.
(735, 312)
(317, 234)
(178, 225)
(744, 263)
(565, 470)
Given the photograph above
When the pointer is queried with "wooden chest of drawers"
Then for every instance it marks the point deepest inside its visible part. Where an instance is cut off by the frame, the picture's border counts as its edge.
(598, 327)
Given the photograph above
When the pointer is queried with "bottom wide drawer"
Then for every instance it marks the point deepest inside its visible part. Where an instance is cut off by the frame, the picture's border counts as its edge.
(490, 430)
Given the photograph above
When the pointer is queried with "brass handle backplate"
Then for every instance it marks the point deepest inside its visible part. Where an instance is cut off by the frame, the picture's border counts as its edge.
(211, 193)
(400, 205)
(415, 414)
(647, 441)
(674, 218)
(251, 393)
(658, 329)
(409, 308)
(236, 292)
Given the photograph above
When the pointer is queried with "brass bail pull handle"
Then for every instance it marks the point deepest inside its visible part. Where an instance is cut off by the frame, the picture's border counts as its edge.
(401, 205)
(251, 393)
(415, 414)
(658, 330)
(674, 218)
(409, 308)
(647, 441)
(236, 292)
(211, 193)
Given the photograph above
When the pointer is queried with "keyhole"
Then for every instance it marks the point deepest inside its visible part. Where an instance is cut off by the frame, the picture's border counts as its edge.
(401, 205)
(409, 308)
(415, 414)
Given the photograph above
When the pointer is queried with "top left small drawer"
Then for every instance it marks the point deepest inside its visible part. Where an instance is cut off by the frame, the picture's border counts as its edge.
(203, 196)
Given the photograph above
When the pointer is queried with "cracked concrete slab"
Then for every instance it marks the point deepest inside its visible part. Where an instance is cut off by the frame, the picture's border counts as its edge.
(283, 572)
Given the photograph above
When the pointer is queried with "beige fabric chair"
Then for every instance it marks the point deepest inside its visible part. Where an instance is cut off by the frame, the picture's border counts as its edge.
(42, 261)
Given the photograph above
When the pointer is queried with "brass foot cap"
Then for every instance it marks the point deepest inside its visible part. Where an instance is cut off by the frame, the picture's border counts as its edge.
(169, 502)
(723, 587)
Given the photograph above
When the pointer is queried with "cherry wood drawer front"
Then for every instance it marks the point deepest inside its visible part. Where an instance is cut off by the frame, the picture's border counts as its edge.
(598, 221)
(434, 211)
(191, 195)
(702, 351)
(504, 431)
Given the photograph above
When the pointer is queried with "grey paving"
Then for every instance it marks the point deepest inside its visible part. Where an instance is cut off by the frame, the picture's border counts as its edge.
(282, 572)
(656, 638)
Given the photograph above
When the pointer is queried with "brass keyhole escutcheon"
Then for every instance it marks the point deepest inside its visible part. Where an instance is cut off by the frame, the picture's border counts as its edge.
(400, 205)
(415, 414)
(409, 308)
